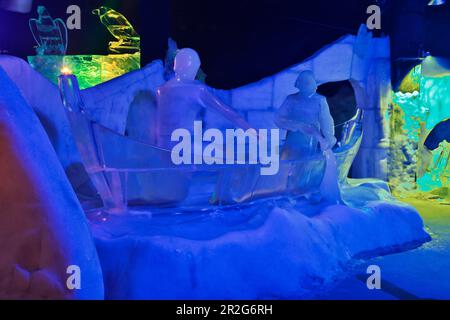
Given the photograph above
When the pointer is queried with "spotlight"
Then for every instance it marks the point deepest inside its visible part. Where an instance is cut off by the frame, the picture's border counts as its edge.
(436, 2)
(66, 71)
(21, 6)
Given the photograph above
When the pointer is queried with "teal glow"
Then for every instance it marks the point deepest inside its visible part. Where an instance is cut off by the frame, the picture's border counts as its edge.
(413, 168)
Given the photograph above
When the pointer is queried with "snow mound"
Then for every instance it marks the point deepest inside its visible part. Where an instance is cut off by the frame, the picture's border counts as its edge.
(271, 249)
(43, 230)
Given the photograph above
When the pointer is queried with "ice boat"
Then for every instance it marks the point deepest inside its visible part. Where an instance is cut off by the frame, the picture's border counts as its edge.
(130, 175)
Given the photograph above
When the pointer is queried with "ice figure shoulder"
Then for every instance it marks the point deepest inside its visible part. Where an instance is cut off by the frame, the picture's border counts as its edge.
(181, 100)
(307, 118)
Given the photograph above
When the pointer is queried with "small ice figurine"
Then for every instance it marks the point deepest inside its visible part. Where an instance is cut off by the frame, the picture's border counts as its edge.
(307, 119)
(50, 34)
(128, 40)
(182, 100)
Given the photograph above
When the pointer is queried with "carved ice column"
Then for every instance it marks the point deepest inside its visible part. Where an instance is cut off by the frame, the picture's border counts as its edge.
(371, 80)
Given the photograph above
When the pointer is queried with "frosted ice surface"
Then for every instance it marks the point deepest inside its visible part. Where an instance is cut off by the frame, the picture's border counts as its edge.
(43, 229)
(296, 247)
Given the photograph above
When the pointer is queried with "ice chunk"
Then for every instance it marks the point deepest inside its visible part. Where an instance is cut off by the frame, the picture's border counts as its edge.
(43, 229)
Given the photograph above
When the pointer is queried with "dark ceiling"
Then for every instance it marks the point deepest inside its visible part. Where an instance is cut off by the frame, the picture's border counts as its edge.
(240, 41)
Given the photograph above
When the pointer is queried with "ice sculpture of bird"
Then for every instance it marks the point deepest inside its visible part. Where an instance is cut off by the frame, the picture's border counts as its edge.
(50, 34)
(128, 40)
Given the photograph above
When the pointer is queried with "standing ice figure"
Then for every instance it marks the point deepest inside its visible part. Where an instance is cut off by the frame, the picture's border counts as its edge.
(307, 119)
(50, 34)
(128, 40)
(181, 100)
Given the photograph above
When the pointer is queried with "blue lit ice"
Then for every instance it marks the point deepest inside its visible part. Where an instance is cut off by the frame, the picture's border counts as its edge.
(163, 231)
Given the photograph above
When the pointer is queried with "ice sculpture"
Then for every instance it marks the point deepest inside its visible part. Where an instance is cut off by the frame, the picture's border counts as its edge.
(129, 174)
(348, 147)
(50, 34)
(306, 116)
(169, 61)
(307, 119)
(182, 100)
(128, 40)
(91, 70)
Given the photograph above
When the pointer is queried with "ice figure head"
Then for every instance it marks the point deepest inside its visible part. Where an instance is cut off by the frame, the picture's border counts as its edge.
(187, 63)
(42, 11)
(100, 11)
(306, 83)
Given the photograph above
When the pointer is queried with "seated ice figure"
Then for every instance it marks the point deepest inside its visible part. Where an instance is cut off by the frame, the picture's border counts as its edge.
(307, 119)
(182, 100)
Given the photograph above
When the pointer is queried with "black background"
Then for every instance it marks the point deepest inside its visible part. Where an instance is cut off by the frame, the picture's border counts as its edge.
(240, 41)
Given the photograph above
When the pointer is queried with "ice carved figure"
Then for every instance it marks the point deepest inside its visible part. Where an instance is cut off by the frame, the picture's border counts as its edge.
(304, 115)
(169, 61)
(50, 34)
(307, 119)
(128, 40)
(182, 100)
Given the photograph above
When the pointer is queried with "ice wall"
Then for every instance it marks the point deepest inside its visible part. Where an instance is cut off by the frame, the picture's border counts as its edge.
(126, 104)
(112, 103)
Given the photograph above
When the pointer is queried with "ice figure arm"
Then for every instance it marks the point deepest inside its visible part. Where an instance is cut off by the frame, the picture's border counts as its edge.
(211, 102)
(327, 123)
(283, 119)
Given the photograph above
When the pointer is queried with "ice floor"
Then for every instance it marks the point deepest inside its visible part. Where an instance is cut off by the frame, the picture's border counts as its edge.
(275, 248)
(422, 273)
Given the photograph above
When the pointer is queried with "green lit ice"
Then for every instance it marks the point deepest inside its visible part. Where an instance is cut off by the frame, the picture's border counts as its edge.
(90, 70)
